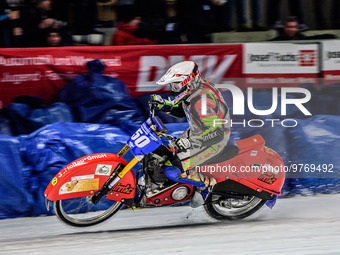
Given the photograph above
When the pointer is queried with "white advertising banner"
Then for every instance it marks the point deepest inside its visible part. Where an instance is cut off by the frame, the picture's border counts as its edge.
(331, 55)
(331, 61)
(280, 58)
(280, 64)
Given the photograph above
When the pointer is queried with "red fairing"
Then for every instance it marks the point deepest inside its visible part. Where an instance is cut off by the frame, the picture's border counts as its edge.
(124, 189)
(86, 175)
(255, 166)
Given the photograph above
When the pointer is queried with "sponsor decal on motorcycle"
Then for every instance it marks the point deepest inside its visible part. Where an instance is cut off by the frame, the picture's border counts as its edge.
(253, 153)
(83, 160)
(123, 151)
(268, 150)
(269, 168)
(103, 169)
(80, 162)
(256, 167)
(267, 178)
(125, 189)
(79, 186)
(83, 177)
(54, 181)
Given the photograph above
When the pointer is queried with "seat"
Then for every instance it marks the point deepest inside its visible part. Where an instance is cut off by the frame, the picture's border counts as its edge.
(230, 151)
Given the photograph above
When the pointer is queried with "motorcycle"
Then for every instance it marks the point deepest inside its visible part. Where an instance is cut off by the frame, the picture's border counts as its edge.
(93, 188)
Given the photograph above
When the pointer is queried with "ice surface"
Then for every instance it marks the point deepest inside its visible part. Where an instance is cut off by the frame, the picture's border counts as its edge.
(299, 225)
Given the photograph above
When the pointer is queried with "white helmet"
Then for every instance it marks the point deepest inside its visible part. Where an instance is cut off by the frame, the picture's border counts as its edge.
(181, 75)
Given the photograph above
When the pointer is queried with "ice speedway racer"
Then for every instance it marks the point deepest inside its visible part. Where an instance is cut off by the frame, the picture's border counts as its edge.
(93, 188)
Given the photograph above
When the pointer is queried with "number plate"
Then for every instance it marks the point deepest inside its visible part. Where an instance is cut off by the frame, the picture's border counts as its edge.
(144, 141)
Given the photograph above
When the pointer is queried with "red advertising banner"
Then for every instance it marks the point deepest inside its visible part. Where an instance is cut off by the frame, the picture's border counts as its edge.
(44, 71)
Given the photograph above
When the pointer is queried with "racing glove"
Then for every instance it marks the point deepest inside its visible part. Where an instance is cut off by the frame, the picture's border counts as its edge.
(160, 103)
(156, 100)
(183, 144)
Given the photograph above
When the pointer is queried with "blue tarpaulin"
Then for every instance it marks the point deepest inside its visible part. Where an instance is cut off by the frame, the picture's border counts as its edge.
(14, 199)
(97, 98)
(24, 118)
(314, 146)
(326, 101)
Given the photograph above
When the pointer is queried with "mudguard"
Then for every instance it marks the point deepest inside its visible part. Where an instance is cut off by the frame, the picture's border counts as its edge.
(86, 175)
(269, 175)
(256, 166)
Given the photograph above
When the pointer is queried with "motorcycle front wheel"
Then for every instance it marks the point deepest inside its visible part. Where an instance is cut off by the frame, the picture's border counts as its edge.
(234, 209)
(81, 212)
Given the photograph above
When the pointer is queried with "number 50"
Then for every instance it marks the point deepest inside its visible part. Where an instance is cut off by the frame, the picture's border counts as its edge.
(140, 139)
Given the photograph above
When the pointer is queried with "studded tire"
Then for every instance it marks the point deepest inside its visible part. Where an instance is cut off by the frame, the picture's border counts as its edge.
(237, 212)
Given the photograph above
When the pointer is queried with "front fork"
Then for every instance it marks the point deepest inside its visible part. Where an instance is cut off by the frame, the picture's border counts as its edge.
(116, 175)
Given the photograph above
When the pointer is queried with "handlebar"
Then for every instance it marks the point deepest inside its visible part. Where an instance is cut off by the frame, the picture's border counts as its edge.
(156, 121)
(152, 110)
(159, 125)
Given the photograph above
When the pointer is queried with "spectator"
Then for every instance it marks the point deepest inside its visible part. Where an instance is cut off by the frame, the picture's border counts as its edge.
(8, 20)
(273, 13)
(223, 13)
(61, 10)
(241, 15)
(153, 19)
(335, 14)
(56, 38)
(290, 31)
(85, 17)
(255, 15)
(319, 16)
(321, 19)
(198, 19)
(35, 20)
(126, 26)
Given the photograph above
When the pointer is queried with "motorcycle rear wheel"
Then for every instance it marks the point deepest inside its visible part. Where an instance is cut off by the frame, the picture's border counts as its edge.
(234, 209)
(81, 212)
